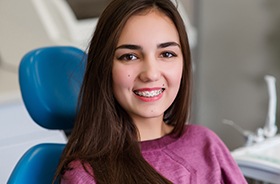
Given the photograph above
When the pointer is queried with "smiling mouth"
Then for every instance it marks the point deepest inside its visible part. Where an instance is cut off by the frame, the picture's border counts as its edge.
(149, 94)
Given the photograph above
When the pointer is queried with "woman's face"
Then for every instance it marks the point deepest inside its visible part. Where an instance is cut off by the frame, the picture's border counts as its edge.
(147, 66)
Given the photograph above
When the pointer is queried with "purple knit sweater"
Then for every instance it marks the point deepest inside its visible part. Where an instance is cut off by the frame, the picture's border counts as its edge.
(197, 157)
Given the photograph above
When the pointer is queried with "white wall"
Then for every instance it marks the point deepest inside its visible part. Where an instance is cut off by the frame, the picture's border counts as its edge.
(21, 31)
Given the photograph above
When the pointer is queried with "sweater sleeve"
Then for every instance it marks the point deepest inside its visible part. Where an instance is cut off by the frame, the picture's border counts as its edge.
(78, 174)
(231, 173)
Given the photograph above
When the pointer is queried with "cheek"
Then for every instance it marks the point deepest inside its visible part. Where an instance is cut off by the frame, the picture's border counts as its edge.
(122, 85)
(122, 78)
(175, 76)
(176, 81)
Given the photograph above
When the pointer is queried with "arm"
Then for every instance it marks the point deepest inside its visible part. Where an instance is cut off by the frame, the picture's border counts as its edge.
(231, 173)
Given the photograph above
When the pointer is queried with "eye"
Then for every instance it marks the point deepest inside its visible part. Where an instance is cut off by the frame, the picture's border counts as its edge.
(168, 54)
(127, 57)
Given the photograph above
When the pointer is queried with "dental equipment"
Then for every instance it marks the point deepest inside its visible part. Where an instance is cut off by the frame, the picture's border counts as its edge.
(270, 129)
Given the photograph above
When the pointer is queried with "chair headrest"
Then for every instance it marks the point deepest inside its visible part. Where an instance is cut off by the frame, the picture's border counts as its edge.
(50, 79)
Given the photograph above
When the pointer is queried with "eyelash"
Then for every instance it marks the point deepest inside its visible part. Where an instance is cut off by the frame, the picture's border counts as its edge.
(131, 57)
(127, 57)
(170, 54)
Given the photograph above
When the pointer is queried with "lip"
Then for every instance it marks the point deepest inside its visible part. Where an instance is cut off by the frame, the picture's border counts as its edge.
(148, 89)
(149, 99)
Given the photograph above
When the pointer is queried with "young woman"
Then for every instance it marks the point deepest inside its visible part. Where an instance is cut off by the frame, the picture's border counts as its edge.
(135, 102)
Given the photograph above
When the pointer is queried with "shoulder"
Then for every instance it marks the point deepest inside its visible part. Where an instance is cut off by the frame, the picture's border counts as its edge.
(202, 138)
(198, 133)
(78, 173)
(197, 129)
(201, 141)
(208, 154)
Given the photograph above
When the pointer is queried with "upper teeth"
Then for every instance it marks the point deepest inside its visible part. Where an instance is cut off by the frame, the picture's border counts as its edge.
(149, 94)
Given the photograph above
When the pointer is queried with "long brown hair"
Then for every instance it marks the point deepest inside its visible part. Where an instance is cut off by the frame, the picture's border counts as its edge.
(104, 134)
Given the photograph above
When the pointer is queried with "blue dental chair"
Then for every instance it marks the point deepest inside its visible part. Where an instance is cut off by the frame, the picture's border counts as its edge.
(50, 79)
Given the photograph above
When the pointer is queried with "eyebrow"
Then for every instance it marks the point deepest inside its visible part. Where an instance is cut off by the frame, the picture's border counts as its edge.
(168, 44)
(138, 47)
(129, 46)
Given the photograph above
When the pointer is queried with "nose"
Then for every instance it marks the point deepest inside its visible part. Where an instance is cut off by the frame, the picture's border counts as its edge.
(150, 71)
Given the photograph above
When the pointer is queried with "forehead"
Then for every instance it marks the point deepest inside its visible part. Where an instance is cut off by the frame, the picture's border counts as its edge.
(148, 26)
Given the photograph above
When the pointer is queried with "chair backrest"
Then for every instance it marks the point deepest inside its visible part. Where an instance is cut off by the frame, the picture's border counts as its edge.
(50, 79)
(37, 165)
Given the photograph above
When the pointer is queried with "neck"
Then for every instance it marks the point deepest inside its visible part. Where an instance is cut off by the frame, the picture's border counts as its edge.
(152, 128)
